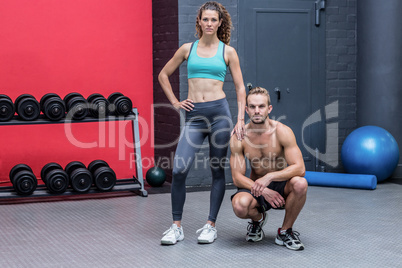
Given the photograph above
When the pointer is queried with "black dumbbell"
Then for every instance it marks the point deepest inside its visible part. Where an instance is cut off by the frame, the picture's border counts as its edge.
(52, 106)
(80, 177)
(23, 180)
(55, 178)
(7, 109)
(119, 104)
(98, 105)
(27, 107)
(77, 106)
(104, 176)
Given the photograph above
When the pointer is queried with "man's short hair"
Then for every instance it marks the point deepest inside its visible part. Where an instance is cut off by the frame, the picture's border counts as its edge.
(258, 90)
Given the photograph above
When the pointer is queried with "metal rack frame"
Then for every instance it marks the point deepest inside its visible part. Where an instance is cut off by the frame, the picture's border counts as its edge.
(136, 183)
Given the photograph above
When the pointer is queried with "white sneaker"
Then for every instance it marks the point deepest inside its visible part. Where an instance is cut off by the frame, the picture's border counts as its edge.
(172, 235)
(208, 234)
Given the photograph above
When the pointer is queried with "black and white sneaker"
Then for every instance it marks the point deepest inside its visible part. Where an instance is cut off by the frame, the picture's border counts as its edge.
(254, 229)
(290, 239)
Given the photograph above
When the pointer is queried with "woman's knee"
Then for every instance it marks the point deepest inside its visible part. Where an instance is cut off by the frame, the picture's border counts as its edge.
(179, 173)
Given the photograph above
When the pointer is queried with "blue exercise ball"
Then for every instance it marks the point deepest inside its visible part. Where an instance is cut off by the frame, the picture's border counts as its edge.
(370, 150)
(155, 176)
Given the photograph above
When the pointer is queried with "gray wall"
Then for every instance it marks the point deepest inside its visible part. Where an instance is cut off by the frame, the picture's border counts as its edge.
(379, 68)
(340, 67)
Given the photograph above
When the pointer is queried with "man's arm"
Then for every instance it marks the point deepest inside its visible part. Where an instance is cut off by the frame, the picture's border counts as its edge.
(293, 157)
(238, 164)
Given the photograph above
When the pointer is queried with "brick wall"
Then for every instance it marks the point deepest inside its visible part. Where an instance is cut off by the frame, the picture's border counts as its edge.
(165, 43)
(341, 59)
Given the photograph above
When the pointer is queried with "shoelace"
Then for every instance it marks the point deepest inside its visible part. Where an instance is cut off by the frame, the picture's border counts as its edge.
(171, 230)
(253, 227)
(205, 228)
(292, 236)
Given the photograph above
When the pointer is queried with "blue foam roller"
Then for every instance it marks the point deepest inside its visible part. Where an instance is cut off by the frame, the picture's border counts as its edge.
(356, 181)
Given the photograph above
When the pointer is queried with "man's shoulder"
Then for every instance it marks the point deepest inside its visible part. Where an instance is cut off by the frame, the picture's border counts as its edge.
(284, 134)
(236, 146)
(235, 142)
(280, 127)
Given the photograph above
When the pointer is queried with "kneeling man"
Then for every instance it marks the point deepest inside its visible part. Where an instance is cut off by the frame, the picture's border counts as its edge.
(277, 170)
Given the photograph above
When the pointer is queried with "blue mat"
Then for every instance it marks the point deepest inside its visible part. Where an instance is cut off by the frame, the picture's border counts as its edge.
(356, 181)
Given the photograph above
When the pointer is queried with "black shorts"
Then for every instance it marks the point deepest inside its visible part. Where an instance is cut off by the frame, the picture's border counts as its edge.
(278, 186)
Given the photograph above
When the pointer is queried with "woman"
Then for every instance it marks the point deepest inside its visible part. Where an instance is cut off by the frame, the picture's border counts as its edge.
(207, 111)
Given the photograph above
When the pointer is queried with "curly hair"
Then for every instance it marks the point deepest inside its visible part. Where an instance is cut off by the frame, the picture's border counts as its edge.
(225, 29)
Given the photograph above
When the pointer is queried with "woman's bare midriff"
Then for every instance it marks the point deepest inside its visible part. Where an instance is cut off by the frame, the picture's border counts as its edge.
(204, 89)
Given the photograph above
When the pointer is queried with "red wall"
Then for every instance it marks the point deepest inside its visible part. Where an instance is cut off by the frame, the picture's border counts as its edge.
(86, 46)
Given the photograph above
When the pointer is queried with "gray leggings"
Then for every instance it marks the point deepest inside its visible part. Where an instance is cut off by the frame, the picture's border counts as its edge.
(208, 119)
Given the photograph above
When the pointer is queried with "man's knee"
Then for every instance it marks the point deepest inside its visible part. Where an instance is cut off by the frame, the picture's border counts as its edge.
(299, 185)
(241, 203)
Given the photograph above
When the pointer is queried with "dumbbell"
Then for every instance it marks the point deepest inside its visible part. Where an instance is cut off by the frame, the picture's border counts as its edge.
(23, 180)
(7, 109)
(98, 105)
(104, 176)
(80, 177)
(55, 178)
(52, 106)
(119, 104)
(77, 106)
(27, 107)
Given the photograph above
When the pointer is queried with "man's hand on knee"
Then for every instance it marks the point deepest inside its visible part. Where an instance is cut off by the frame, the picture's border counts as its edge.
(273, 198)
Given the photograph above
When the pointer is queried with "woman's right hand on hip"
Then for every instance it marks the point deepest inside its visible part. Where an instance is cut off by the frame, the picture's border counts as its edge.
(185, 104)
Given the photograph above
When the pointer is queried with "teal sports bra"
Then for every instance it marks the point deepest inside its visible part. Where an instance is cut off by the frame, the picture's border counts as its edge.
(212, 68)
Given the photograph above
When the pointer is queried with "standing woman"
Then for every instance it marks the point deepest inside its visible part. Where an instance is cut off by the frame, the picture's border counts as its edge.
(207, 112)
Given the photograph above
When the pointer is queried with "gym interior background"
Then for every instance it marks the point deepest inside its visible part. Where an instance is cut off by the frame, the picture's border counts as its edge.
(359, 63)
(105, 46)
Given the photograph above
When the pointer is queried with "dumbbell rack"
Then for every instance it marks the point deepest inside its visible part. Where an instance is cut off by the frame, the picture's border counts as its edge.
(130, 184)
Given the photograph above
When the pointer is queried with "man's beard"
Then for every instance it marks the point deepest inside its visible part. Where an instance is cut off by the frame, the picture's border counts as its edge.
(262, 121)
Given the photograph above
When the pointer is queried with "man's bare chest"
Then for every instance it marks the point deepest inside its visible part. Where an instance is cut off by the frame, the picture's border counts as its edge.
(263, 148)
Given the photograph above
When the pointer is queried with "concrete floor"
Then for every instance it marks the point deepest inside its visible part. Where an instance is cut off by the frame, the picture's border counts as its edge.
(339, 228)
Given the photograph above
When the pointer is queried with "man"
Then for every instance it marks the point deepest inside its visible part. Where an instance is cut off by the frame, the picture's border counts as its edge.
(277, 170)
